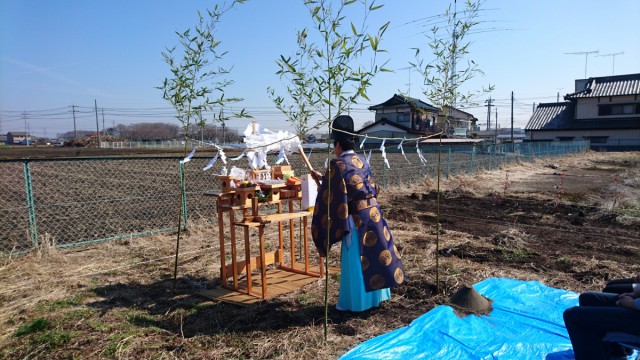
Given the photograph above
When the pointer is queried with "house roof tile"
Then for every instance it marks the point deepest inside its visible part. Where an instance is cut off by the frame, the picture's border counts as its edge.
(400, 101)
(549, 116)
(608, 86)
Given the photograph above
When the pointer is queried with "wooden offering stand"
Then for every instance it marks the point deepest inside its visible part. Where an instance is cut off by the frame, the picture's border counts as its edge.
(237, 278)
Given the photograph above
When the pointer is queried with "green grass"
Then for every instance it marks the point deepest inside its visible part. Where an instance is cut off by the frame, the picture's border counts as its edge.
(52, 306)
(54, 339)
(33, 327)
(512, 254)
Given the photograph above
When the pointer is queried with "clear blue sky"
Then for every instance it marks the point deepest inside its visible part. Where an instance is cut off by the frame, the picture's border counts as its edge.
(57, 53)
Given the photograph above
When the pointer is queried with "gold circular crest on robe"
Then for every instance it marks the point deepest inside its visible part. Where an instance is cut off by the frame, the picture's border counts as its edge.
(339, 233)
(356, 182)
(357, 220)
(331, 172)
(341, 165)
(374, 214)
(387, 233)
(364, 262)
(370, 180)
(314, 231)
(357, 162)
(325, 222)
(377, 282)
(395, 251)
(398, 276)
(370, 238)
(327, 196)
(385, 257)
(343, 211)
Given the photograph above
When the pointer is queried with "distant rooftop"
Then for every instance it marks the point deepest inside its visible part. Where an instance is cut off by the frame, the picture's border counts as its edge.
(618, 85)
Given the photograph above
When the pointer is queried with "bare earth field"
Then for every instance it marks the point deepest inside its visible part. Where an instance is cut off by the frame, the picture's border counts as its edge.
(571, 223)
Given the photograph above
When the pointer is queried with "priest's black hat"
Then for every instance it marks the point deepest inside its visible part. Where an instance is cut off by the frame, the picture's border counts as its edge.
(345, 123)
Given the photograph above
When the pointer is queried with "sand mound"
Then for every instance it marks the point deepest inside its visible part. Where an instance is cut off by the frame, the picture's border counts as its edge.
(468, 301)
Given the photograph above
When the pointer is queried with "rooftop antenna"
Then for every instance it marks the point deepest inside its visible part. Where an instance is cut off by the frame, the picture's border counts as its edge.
(410, 68)
(586, 56)
(613, 55)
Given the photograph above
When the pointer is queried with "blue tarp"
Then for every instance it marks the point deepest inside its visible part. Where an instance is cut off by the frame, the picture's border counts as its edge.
(525, 323)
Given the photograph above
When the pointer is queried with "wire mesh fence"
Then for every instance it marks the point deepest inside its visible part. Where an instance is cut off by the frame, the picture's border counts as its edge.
(70, 202)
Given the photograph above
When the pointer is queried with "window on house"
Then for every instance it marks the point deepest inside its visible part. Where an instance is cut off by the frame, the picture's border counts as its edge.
(618, 109)
(596, 139)
(403, 118)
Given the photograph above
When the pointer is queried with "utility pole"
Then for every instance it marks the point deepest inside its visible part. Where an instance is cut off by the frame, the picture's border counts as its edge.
(512, 117)
(496, 124)
(613, 68)
(223, 128)
(26, 128)
(489, 104)
(534, 108)
(75, 130)
(104, 131)
(97, 123)
(586, 56)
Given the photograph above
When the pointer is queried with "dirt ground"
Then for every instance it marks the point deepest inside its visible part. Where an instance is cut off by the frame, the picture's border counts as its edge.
(571, 223)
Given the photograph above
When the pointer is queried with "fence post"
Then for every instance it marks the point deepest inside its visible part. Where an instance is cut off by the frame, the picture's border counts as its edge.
(33, 229)
(384, 175)
(448, 162)
(473, 160)
(183, 188)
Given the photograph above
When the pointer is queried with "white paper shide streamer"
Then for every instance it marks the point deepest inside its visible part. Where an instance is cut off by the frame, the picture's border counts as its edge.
(384, 154)
(402, 151)
(211, 162)
(422, 159)
(188, 158)
(362, 143)
(260, 141)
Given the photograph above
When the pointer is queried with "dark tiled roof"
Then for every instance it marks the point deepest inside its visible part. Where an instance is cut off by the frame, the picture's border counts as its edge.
(609, 86)
(551, 116)
(400, 101)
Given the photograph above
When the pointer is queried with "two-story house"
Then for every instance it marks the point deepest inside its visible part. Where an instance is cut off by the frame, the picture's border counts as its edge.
(604, 110)
(405, 117)
(18, 138)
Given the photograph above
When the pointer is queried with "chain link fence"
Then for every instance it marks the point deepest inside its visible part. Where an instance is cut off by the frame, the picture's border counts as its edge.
(70, 202)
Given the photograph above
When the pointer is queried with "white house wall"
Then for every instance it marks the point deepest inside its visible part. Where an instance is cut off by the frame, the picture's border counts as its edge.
(588, 108)
(615, 137)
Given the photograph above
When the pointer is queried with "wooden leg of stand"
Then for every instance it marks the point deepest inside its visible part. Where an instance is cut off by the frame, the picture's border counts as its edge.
(223, 275)
(263, 266)
(232, 232)
(292, 243)
(247, 257)
(280, 242)
(305, 238)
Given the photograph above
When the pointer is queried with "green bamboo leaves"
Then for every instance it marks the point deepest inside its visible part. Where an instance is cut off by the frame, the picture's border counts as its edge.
(445, 75)
(333, 66)
(197, 82)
